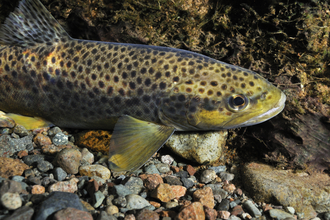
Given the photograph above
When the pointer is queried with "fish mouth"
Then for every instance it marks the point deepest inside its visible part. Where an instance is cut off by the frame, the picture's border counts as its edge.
(275, 110)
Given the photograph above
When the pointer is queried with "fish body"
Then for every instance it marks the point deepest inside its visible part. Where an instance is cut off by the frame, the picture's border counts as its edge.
(144, 93)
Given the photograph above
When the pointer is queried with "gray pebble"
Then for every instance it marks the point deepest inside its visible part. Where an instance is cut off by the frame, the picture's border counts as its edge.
(46, 181)
(33, 159)
(122, 190)
(134, 184)
(182, 174)
(44, 166)
(167, 159)
(233, 217)
(187, 182)
(251, 208)
(207, 176)
(326, 216)
(226, 176)
(57, 201)
(18, 178)
(120, 201)
(232, 204)
(60, 139)
(21, 131)
(59, 174)
(22, 213)
(53, 131)
(151, 169)
(11, 201)
(172, 180)
(99, 180)
(223, 205)
(279, 214)
(217, 190)
(163, 168)
(98, 199)
(136, 202)
(170, 205)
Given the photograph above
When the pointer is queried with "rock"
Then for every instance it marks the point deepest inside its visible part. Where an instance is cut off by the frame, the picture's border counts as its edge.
(191, 170)
(98, 198)
(251, 208)
(60, 139)
(21, 131)
(112, 209)
(136, 202)
(163, 168)
(120, 201)
(223, 205)
(65, 186)
(52, 149)
(9, 146)
(11, 201)
(122, 190)
(210, 214)
(167, 159)
(202, 147)
(59, 174)
(204, 196)
(218, 169)
(72, 213)
(226, 176)
(37, 189)
(95, 170)
(151, 181)
(188, 182)
(134, 184)
(194, 211)
(86, 156)
(207, 176)
(233, 217)
(5, 121)
(279, 214)
(11, 167)
(146, 214)
(172, 180)
(237, 210)
(268, 184)
(170, 205)
(33, 160)
(290, 210)
(22, 213)
(229, 188)
(217, 190)
(53, 131)
(42, 140)
(44, 166)
(10, 186)
(163, 192)
(326, 216)
(151, 169)
(97, 141)
(69, 160)
(223, 214)
(57, 201)
(179, 191)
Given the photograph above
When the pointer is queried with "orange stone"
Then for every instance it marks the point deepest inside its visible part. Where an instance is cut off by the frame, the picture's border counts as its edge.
(42, 140)
(94, 140)
(163, 192)
(11, 167)
(37, 189)
(194, 211)
(204, 196)
(179, 191)
(190, 170)
(155, 204)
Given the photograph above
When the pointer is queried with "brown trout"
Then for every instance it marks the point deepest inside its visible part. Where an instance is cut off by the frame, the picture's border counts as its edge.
(144, 93)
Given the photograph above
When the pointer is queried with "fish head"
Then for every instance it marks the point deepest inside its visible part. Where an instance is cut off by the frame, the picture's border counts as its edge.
(227, 97)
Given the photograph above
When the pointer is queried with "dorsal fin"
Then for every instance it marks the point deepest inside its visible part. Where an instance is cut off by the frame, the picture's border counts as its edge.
(31, 24)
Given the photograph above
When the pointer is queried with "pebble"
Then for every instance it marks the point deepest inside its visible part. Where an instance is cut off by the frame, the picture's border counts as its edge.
(170, 205)
(65, 186)
(57, 201)
(146, 214)
(95, 170)
(11, 200)
(251, 208)
(204, 196)
(72, 213)
(167, 159)
(136, 202)
(10, 186)
(42, 140)
(223, 214)
(120, 201)
(151, 169)
(98, 199)
(151, 181)
(191, 170)
(86, 156)
(179, 191)
(22, 213)
(59, 174)
(194, 211)
(163, 168)
(112, 209)
(21, 131)
(326, 216)
(37, 189)
(69, 160)
(163, 192)
(172, 180)
(223, 205)
(233, 217)
(207, 176)
(60, 139)
(226, 176)
(279, 214)
(290, 210)
(122, 190)
(188, 182)
(134, 184)
(44, 166)
(53, 131)
(11, 167)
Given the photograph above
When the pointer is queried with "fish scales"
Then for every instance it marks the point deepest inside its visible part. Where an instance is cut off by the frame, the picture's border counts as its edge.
(144, 93)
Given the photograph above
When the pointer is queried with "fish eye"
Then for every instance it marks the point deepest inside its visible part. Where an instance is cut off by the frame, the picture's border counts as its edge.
(238, 102)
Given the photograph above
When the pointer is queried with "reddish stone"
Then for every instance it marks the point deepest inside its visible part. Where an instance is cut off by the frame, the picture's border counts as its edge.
(22, 153)
(151, 181)
(11, 167)
(129, 217)
(179, 191)
(170, 213)
(175, 169)
(204, 196)
(52, 149)
(194, 211)
(210, 214)
(190, 170)
(65, 186)
(146, 214)
(267, 207)
(239, 192)
(237, 210)
(155, 204)
(184, 203)
(223, 214)
(229, 188)
(37, 189)
(42, 140)
(163, 192)
(72, 213)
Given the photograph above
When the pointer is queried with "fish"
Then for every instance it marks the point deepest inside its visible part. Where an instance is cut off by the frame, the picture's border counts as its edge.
(143, 93)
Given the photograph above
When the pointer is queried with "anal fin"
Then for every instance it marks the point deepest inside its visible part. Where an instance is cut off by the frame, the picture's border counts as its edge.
(134, 141)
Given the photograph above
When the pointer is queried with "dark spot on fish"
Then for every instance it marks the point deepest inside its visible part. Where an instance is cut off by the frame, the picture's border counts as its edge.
(133, 73)
(101, 84)
(214, 83)
(241, 79)
(140, 91)
(158, 75)
(53, 60)
(171, 110)
(59, 84)
(132, 85)
(14, 74)
(210, 92)
(112, 70)
(61, 63)
(234, 77)
(80, 69)
(94, 51)
(110, 90)
(243, 85)
(7, 67)
(183, 70)
(232, 89)
(201, 90)
(181, 98)
(45, 75)
(251, 83)
(83, 86)
(176, 79)
(203, 83)
(115, 79)
(224, 87)
(146, 111)
(147, 82)
(120, 65)
(73, 74)
(151, 71)
(219, 93)
(122, 92)
(162, 85)
(245, 74)
(106, 65)
(117, 100)
(94, 76)
(166, 67)
(229, 74)
(124, 75)
(189, 82)
(139, 80)
(189, 90)
(69, 85)
(154, 87)
(175, 68)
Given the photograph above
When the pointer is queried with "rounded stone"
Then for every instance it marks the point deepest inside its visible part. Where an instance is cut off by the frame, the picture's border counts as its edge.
(207, 176)
(136, 202)
(11, 201)
(202, 147)
(112, 209)
(69, 160)
(60, 139)
(95, 170)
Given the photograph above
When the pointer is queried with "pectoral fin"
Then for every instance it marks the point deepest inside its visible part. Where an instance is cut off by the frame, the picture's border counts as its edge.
(29, 122)
(134, 141)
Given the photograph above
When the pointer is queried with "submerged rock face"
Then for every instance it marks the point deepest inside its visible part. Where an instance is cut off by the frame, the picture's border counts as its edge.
(202, 147)
(308, 194)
